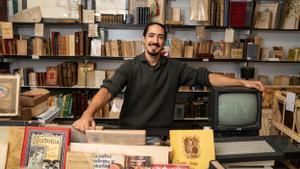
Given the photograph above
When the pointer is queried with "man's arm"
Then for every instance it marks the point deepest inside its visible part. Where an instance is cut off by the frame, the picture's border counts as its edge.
(86, 121)
(221, 80)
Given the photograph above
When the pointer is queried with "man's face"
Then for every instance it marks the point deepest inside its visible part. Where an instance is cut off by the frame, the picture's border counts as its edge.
(154, 40)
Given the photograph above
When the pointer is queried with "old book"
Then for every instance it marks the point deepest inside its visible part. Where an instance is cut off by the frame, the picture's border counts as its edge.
(34, 97)
(79, 160)
(237, 13)
(83, 68)
(95, 78)
(37, 44)
(14, 137)
(7, 30)
(176, 50)
(133, 162)
(125, 137)
(3, 154)
(105, 160)
(21, 47)
(44, 145)
(51, 76)
(159, 154)
(96, 45)
(193, 147)
(39, 108)
(170, 166)
(176, 13)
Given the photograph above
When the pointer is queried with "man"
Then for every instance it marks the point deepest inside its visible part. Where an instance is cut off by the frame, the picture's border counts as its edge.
(152, 82)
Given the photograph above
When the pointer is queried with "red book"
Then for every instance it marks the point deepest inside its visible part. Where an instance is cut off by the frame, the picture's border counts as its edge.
(45, 147)
(237, 13)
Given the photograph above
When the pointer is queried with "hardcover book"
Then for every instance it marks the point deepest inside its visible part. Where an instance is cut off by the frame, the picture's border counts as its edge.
(44, 146)
(192, 147)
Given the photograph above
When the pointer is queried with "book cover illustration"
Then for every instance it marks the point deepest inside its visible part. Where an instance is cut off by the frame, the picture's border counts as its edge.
(44, 147)
(192, 147)
(138, 162)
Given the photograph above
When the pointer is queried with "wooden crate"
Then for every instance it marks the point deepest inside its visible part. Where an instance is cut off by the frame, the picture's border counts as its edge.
(286, 122)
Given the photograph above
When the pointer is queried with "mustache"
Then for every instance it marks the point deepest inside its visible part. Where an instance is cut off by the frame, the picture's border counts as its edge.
(154, 44)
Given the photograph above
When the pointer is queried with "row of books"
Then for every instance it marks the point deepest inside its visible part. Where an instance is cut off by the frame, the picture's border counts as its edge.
(41, 147)
(272, 14)
(64, 74)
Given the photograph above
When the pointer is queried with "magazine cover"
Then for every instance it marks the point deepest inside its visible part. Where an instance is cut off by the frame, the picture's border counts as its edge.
(44, 147)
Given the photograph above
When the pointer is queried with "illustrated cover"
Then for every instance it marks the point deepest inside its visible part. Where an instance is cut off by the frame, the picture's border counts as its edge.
(192, 147)
(140, 162)
(44, 147)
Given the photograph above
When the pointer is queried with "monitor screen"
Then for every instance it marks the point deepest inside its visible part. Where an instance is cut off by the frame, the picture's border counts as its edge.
(235, 108)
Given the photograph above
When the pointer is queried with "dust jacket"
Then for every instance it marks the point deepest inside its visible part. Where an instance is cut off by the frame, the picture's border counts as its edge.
(45, 147)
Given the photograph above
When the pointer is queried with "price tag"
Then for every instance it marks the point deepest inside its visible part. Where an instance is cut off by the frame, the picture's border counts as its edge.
(290, 101)
(35, 57)
(127, 58)
(205, 60)
(229, 35)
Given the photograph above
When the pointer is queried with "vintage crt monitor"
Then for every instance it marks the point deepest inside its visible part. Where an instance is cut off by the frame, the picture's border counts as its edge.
(235, 111)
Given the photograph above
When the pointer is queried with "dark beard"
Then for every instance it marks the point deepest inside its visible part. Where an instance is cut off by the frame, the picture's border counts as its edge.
(154, 53)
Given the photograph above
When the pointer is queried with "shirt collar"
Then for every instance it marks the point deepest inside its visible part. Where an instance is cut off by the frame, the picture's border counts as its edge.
(162, 59)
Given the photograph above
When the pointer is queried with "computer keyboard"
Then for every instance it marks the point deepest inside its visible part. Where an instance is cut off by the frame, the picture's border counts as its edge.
(243, 147)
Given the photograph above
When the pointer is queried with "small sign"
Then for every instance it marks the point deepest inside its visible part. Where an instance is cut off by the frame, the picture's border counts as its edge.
(39, 30)
(35, 57)
(290, 101)
(93, 30)
(229, 35)
(7, 30)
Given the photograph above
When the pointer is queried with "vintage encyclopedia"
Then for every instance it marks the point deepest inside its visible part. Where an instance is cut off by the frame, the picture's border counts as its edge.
(192, 147)
(44, 146)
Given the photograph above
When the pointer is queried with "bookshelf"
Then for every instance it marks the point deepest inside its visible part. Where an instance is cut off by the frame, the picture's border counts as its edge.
(288, 38)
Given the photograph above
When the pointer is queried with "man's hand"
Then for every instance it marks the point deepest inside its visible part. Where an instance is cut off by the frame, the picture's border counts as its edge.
(253, 84)
(84, 123)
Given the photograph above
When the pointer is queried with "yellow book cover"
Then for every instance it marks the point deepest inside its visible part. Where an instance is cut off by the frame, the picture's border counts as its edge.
(192, 147)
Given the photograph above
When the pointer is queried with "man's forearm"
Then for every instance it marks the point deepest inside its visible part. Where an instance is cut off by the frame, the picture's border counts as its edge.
(221, 80)
(101, 98)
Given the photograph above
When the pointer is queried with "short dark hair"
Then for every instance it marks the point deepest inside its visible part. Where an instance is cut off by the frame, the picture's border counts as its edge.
(155, 23)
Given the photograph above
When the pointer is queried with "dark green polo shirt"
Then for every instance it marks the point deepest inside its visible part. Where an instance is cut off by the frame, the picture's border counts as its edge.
(150, 94)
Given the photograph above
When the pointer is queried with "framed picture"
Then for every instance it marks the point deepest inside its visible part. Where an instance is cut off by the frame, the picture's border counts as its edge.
(9, 95)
